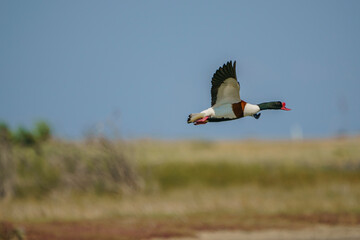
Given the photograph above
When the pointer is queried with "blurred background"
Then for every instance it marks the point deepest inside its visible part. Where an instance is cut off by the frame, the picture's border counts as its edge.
(94, 98)
(145, 66)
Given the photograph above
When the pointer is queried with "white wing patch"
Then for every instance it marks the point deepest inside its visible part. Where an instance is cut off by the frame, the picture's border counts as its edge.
(228, 92)
(251, 109)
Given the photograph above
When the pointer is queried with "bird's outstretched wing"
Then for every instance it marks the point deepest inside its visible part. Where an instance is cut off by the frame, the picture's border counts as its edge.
(225, 87)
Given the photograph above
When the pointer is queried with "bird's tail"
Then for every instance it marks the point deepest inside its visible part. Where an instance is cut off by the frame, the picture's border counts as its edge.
(194, 117)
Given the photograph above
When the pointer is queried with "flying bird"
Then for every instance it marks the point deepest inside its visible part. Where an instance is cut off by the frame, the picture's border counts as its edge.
(226, 103)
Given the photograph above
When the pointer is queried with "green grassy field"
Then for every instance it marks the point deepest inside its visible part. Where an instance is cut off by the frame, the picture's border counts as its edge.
(219, 185)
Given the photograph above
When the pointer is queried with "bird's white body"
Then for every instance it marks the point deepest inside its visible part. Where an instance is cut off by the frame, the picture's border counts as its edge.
(226, 111)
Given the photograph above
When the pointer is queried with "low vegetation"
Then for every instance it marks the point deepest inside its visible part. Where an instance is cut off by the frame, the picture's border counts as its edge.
(267, 164)
(219, 175)
(34, 165)
(194, 180)
(24, 137)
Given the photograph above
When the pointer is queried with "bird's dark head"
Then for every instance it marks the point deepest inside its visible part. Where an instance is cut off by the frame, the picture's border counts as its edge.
(273, 105)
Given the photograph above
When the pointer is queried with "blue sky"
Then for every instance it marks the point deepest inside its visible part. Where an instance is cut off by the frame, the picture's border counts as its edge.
(143, 66)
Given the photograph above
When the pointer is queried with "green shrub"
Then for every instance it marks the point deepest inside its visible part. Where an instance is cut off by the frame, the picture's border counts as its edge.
(42, 131)
(99, 167)
(24, 137)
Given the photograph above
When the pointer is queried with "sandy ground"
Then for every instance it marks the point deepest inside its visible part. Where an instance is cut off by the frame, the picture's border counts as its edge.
(321, 232)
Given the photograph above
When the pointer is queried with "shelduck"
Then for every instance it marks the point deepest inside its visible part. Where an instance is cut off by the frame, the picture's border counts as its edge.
(225, 100)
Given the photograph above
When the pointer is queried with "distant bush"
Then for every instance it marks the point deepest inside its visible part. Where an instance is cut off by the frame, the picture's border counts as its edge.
(5, 133)
(31, 166)
(42, 131)
(98, 166)
(23, 137)
(21, 153)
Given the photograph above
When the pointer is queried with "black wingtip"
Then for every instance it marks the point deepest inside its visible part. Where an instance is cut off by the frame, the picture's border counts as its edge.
(228, 70)
(230, 63)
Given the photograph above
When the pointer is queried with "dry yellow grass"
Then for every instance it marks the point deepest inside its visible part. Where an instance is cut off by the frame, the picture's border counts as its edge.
(321, 151)
(241, 201)
(341, 196)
